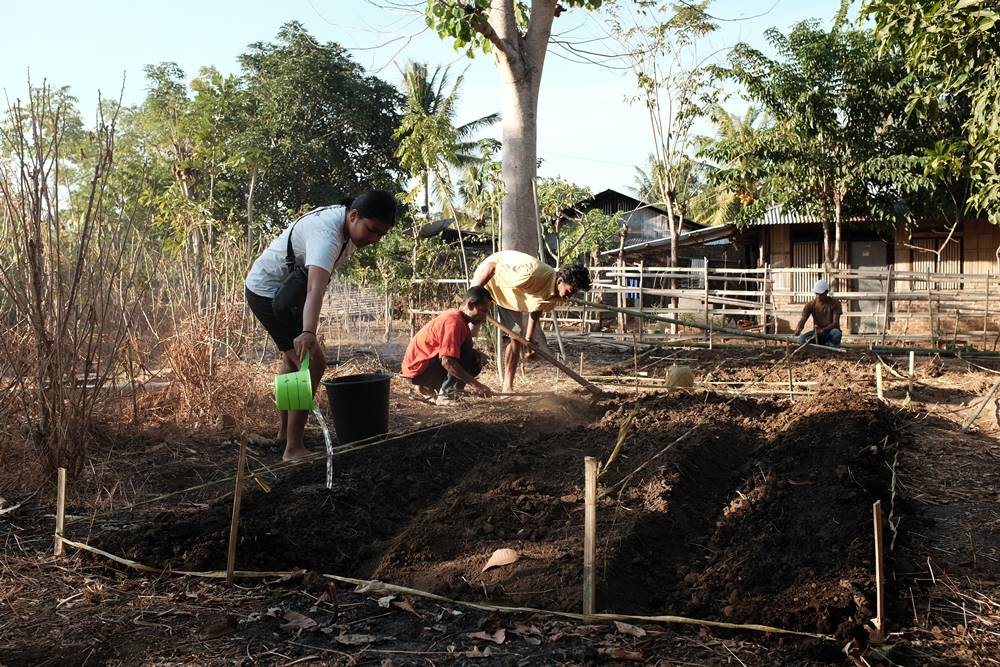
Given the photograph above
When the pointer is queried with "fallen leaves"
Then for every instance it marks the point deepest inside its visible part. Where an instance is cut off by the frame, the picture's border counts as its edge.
(629, 629)
(498, 637)
(622, 654)
(297, 622)
(502, 557)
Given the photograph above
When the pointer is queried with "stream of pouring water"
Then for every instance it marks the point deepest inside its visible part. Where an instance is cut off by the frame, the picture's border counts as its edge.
(329, 447)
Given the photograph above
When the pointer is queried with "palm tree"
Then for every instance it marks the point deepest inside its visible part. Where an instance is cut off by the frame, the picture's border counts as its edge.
(721, 201)
(430, 144)
(697, 195)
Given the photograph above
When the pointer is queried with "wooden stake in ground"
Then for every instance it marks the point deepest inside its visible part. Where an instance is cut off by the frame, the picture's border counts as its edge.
(589, 533)
(878, 381)
(60, 512)
(879, 574)
(975, 415)
(548, 357)
(909, 385)
(237, 495)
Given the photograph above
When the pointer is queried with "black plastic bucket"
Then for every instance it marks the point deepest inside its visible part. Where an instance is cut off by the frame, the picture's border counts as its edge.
(360, 405)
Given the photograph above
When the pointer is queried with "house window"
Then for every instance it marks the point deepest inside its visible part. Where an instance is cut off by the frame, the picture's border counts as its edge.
(934, 256)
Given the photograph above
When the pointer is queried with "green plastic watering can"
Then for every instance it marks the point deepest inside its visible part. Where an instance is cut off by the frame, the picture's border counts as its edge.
(293, 391)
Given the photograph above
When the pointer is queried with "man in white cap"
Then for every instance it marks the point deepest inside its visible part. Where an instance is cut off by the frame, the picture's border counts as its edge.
(825, 312)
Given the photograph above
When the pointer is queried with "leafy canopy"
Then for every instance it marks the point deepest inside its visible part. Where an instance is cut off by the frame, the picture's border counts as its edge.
(950, 48)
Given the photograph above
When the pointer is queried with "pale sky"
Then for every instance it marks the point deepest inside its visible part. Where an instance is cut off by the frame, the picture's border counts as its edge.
(587, 134)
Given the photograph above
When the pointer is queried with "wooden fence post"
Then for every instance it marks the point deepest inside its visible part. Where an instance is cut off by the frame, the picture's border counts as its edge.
(589, 533)
(708, 319)
(885, 314)
(986, 315)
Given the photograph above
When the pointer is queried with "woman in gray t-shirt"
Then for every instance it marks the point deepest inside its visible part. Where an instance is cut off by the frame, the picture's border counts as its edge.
(321, 241)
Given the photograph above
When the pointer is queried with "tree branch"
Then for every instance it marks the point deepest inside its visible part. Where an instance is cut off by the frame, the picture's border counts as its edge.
(481, 24)
(539, 29)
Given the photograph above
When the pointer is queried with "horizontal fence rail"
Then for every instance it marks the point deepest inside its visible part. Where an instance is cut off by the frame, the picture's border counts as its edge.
(880, 305)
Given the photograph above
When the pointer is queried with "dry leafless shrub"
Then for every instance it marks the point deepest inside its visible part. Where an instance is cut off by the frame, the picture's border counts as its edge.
(68, 286)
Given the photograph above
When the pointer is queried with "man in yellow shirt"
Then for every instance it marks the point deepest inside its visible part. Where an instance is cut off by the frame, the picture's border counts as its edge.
(519, 283)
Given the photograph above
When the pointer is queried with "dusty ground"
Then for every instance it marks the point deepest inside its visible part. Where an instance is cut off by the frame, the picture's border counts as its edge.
(760, 513)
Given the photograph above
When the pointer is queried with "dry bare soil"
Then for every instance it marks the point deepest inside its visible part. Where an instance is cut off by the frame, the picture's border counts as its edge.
(741, 506)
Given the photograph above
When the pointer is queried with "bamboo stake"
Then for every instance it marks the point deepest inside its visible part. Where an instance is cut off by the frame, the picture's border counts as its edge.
(878, 381)
(237, 496)
(909, 385)
(581, 362)
(60, 512)
(548, 357)
(589, 533)
(975, 415)
(879, 574)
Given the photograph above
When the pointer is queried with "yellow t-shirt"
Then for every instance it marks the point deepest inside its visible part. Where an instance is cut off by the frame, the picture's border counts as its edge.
(521, 283)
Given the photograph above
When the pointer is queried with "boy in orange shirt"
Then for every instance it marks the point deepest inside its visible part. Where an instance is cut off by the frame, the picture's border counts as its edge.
(440, 359)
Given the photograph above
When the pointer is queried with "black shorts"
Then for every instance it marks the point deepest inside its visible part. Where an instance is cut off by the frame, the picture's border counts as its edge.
(283, 330)
(516, 322)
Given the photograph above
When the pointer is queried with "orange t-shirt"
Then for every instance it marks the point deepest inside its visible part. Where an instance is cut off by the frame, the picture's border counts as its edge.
(441, 337)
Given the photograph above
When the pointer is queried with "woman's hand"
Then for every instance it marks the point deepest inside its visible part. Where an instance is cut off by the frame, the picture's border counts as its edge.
(306, 342)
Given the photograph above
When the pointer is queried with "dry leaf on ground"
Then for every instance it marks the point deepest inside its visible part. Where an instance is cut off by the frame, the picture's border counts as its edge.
(623, 654)
(498, 637)
(629, 629)
(297, 622)
(501, 557)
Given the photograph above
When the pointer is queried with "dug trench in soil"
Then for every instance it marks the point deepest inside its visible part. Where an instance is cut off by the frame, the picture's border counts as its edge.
(762, 514)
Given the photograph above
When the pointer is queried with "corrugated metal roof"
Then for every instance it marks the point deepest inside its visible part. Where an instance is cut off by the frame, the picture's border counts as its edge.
(717, 235)
(777, 215)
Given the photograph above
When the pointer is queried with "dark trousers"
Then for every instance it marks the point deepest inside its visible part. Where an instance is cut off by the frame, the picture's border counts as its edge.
(438, 379)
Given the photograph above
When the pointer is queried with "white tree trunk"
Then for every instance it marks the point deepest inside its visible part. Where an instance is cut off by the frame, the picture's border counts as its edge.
(519, 60)
(519, 160)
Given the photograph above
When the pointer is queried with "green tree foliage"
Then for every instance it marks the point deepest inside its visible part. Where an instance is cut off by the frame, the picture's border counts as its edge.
(481, 189)
(838, 143)
(430, 144)
(322, 127)
(671, 83)
(570, 230)
(517, 34)
(301, 126)
(950, 48)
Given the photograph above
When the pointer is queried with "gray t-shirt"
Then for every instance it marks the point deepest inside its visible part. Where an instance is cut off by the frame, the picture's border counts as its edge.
(319, 240)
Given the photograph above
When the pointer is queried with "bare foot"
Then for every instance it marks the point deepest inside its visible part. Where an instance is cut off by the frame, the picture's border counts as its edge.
(292, 453)
(282, 436)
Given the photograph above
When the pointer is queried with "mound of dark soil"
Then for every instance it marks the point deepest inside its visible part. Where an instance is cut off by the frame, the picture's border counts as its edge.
(761, 514)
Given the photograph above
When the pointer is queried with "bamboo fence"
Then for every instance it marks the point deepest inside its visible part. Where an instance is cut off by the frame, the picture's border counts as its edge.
(880, 306)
